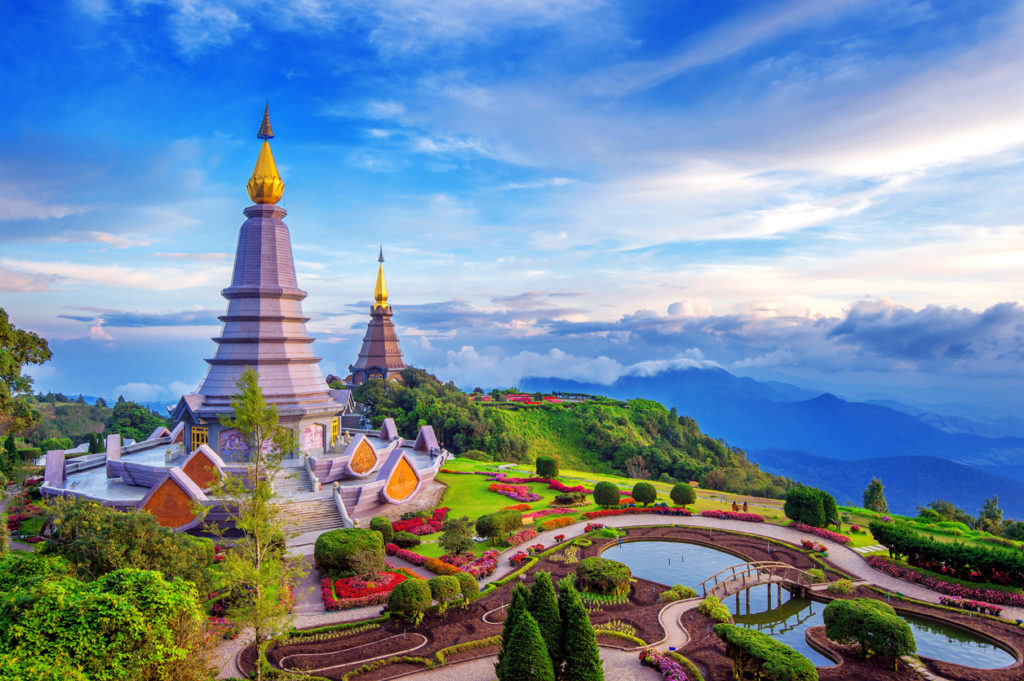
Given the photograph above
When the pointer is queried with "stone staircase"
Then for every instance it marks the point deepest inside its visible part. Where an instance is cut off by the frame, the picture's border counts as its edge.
(291, 481)
(316, 514)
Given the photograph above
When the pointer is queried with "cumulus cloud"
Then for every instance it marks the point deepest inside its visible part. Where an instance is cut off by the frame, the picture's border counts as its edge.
(467, 366)
(12, 281)
(141, 392)
(116, 318)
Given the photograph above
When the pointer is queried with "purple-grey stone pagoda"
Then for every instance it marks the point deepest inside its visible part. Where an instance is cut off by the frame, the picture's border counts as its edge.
(380, 356)
(264, 329)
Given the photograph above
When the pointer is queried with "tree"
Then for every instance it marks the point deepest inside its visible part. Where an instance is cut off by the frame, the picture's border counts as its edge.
(682, 494)
(606, 494)
(345, 552)
(990, 518)
(527, 655)
(410, 599)
(457, 535)
(17, 349)
(256, 570)
(871, 624)
(513, 615)
(949, 511)
(132, 420)
(810, 506)
(636, 468)
(100, 402)
(10, 460)
(499, 524)
(579, 645)
(874, 497)
(547, 466)
(543, 605)
(645, 493)
(444, 589)
(51, 443)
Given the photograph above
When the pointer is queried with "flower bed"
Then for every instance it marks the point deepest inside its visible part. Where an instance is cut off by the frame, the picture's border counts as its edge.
(514, 492)
(459, 559)
(439, 567)
(593, 526)
(483, 566)
(559, 537)
(734, 515)
(519, 507)
(975, 606)
(555, 523)
(813, 546)
(949, 588)
(355, 592)
(519, 558)
(821, 532)
(420, 526)
(536, 548)
(407, 556)
(551, 482)
(520, 537)
(656, 510)
(546, 512)
(669, 669)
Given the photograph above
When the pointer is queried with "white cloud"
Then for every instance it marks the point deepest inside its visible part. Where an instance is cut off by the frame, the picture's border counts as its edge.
(22, 208)
(140, 392)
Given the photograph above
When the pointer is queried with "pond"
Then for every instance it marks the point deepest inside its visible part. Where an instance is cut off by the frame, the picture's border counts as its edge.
(668, 563)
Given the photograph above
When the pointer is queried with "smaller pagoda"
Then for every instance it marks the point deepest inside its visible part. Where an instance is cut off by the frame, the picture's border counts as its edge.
(380, 356)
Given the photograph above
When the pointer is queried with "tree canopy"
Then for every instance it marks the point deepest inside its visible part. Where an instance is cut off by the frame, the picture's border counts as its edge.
(18, 348)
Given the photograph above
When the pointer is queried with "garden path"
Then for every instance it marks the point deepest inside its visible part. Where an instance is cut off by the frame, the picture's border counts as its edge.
(619, 665)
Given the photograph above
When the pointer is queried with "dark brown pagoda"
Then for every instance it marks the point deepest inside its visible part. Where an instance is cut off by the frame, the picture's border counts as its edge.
(380, 356)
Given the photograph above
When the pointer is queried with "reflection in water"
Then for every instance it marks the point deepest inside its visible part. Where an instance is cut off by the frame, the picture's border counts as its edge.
(784, 618)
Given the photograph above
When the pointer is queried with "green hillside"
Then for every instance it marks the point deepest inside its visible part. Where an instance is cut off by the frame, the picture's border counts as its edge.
(638, 438)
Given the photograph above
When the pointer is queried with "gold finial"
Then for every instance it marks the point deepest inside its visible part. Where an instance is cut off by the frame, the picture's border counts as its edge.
(265, 185)
(380, 291)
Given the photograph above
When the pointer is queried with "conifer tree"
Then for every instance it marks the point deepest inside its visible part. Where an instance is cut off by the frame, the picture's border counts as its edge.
(527, 655)
(543, 606)
(874, 497)
(579, 646)
(513, 615)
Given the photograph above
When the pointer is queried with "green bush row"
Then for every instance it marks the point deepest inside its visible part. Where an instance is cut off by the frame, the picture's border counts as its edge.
(713, 608)
(768, 659)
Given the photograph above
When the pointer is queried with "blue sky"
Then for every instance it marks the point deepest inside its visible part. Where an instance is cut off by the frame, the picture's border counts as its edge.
(824, 192)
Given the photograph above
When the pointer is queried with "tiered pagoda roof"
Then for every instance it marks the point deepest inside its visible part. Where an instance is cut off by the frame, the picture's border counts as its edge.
(380, 355)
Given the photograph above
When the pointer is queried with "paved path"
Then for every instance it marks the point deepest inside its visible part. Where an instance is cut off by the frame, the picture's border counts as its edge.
(619, 665)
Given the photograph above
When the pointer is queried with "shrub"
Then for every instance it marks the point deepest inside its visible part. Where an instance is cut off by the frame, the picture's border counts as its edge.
(555, 523)
(606, 494)
(764, 656)
(678, 592)
(499, 524)
(383, 525)
(872, 624)
(570, 499)
(439, 567)
(821, 532)
(410, 600)
(579, 645)
(406, 540)
(603, 576)
(547, 466)
(468, 586)
(444, 589)
(841, 586)
(733, 515)
(943, 587)
(817, 574)
(475, 455)
(347, 552)
(810, 506)
(683, 494)
(543, 605)
(645, 493)
(713, 608)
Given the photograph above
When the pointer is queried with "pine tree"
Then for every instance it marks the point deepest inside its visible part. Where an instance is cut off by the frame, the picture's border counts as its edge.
(543, 606)
(9, 457)
(579, 646)
(527, 655)
(513, 615)
(874, 497)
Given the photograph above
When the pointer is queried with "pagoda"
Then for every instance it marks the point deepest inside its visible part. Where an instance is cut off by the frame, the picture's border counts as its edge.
(264, 329)
(380, 357)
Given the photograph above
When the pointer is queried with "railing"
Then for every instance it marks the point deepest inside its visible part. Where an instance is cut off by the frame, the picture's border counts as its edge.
(346, 519)
(314, 483)
(746, 575)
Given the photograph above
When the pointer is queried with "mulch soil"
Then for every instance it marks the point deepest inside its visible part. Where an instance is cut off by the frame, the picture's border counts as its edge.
(704, 649)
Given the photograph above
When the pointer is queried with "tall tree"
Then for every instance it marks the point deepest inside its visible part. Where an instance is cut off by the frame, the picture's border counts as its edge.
(256, 570)
(457, 535)
(527, 654)
(579, 645)
(543, 605)
(874, 497)
(513, 615)
(990, 518)
(18, 348)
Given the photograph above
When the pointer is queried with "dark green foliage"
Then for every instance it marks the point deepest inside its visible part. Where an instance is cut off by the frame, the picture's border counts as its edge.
(383, 525)
(990, 518)
(579, 646)
(405, 540)
(963, 560)
(645, 493)
(10, 461)
(468, 586)
(476, 455)
(713, 608)
(606, 494)
(543, 605)
(410, 599)
(132, 420)
(683, 495)
(517, 607)
(96, 443)
(457, 535)
(347, 552)
(766, 658)
(874, 497)
(810, 506)
(949, 511)
(52, 443)
(527, 655)
(17, 349)
(499, 524)
(570, 499)
(603, 576)
(547, 466)
(444, 589)
(871, 624)
(97, 540)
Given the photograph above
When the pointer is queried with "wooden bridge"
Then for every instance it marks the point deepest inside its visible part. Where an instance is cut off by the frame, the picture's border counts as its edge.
(737, 578)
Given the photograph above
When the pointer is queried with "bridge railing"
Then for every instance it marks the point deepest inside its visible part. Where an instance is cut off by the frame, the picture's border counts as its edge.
(762, 572)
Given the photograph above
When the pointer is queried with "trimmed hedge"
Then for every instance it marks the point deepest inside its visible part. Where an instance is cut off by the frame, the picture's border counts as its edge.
(603, 576)
(682, 494)
(410, 600)
(606, 494)
(406, 540)
(348, 552)
(383, 525)
(547, 467)
(871, 624)
(768, 659)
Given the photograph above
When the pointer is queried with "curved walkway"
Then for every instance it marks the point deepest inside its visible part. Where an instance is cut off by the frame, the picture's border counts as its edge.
(618, 664)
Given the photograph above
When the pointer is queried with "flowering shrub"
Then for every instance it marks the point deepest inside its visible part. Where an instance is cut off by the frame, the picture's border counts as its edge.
(656, 510)
(821, 532)
(484, 566)
(459, 559)
(948, 588)
(856, 528)
(439, 567)
(669, 669)
(520, 537)
(519, 558)
(626, 501)
(408, 556)
(886, 519)
(813, 546)
(221, 627)
(420, 526)
(515, 492)
(555, 523)
(559, 537)
(734, 515)
(518, 507)
(592, 526)
(976, 606)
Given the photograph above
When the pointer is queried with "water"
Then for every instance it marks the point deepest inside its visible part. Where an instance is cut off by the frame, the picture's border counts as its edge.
(787, 621)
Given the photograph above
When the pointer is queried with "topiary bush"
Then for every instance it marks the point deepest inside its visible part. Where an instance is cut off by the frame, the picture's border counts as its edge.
(766, 658)
(606, 494)
(499, 524)
(678, 592)
(683, 495)
(645, 493)
(346, 552)
(410, 599)
(547, 467)
(603, 576)
(406, 540)
(444, 589)
(383, 525)
(871, 624)
(468, 586)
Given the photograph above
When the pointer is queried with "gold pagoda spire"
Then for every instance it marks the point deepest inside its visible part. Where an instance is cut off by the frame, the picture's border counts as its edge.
(265, 185)
(380, 291)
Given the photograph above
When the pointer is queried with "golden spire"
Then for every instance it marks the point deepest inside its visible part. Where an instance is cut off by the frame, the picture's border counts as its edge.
(265, 185)
(380, 291)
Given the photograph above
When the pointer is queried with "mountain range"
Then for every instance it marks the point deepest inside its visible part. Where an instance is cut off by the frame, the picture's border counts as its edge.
(821, 439)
